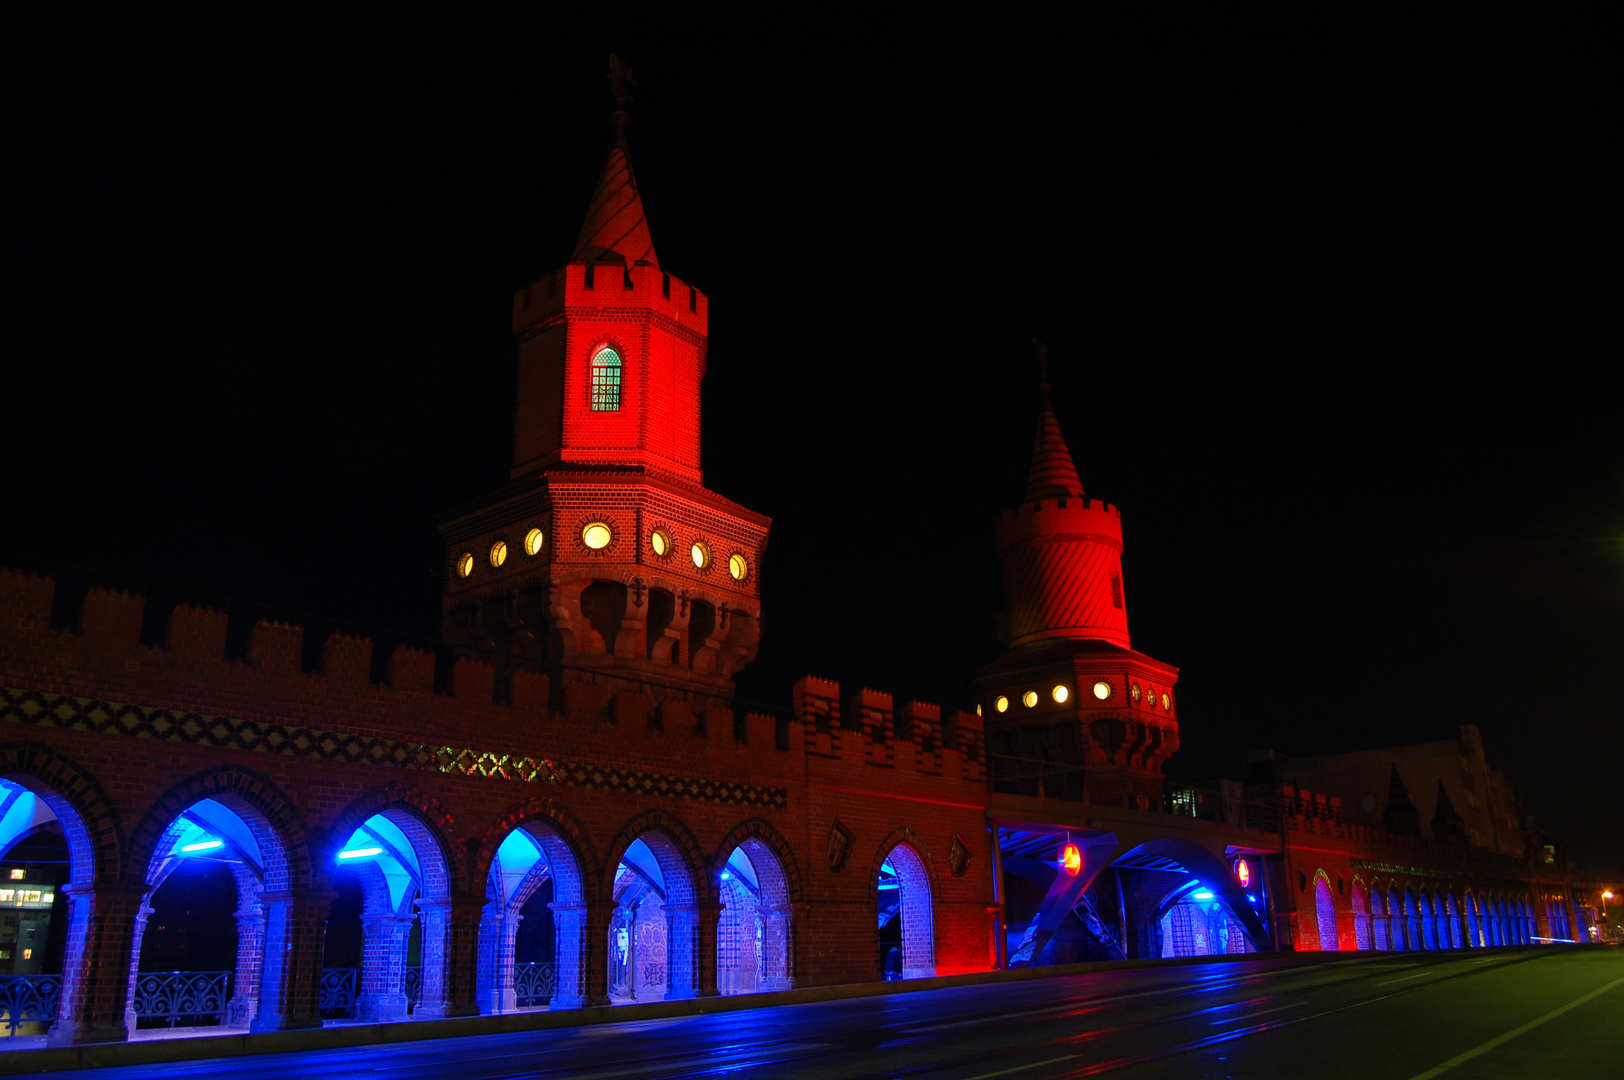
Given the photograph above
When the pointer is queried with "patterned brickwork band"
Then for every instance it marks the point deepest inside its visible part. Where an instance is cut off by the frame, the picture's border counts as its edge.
(41, 709)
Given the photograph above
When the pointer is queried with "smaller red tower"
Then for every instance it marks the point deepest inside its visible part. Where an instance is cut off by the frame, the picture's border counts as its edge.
(1071, 692)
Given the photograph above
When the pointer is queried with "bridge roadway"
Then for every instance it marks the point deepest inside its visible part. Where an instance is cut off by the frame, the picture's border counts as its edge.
(1555, 1013)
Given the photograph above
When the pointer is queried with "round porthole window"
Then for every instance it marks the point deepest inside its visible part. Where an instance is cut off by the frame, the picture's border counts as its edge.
(660, 541)
(465, 564)
(1030, 699)
(1136, 691)
(1060, 694)
(499, 553)
(1102, 690)
(1002, 704)
(533, 541)
(738, 567)
(701, 555)
(1167, 702)
(597, 536)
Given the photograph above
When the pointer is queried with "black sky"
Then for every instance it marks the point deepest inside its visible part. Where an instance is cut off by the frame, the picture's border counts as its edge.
(1332, 303)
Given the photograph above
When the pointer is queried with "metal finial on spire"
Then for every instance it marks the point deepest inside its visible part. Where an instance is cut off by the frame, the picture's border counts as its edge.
(620, 87)
(1042, 351)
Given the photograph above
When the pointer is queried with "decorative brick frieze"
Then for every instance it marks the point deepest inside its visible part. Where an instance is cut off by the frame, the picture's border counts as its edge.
(41, 709)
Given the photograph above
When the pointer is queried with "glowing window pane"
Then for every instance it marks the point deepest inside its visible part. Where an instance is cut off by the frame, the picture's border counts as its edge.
(1136, 691)
(738, 567)
(465, 564)
(660, 542)
(533, 541)
(1167, 702)
(1002, 704)
(1061, 694)
(596, 536)
(18, 873)
(1030, 698)
(701, 555)
(1102, 690)
(606, 381)
(499, 553)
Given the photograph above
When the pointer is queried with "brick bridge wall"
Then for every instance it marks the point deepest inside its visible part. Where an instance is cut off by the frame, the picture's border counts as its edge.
(124, 736)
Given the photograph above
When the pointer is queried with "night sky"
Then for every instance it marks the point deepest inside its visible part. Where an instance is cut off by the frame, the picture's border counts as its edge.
(1331, 303)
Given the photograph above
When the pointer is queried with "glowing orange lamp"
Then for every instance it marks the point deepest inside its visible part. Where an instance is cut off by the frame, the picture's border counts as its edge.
(1071, 859)
(1243, 873)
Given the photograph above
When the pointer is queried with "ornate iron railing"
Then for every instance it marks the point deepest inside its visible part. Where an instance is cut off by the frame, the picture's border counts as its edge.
(181, 998)
(340, 986)
(534, 983)
(414, 986)
(338, 989)
(27, 999)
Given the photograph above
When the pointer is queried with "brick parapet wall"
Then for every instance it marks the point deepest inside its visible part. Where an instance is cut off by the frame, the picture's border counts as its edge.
(612, 751)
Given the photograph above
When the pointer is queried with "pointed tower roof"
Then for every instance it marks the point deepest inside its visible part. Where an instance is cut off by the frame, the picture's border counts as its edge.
(1053, 473)
(615, 229)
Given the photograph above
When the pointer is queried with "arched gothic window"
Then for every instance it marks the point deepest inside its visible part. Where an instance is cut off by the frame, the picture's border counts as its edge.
(606, 380)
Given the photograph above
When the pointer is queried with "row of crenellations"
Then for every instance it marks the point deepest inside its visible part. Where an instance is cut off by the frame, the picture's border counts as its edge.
(864, 730)
(1061, 502)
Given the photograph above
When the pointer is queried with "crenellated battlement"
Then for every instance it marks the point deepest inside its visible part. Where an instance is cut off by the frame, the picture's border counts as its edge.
(606, 287)
(351, 682)
(1088, 520)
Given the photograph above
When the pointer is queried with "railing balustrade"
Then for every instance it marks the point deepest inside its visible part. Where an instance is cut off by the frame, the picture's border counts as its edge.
(28, 999)
(181, 998)
(534, 983)
(336, 1000)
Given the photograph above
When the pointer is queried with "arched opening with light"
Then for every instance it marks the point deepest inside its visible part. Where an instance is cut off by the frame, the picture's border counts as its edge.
(44, 852)
(217, 882)
(532, 929)
(384, 956)
(1178, 900)
(1380, 931)
(653, 930)
(1325, 914)
(753, 947)
(907, 919)
(1361, 917)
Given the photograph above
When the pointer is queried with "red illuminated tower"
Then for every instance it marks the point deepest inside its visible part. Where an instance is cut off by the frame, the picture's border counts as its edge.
(1071, 690)
(606, 551)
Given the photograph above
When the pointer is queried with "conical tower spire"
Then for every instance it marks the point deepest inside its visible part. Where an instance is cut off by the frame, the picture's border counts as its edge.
(1053, 472)
(616, 229)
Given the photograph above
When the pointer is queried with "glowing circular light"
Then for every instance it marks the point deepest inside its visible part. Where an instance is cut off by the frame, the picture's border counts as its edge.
(1167, 702)
(1243, 873)
(701, 555)
(533, 541)
(465, 564)
(597, 536)
(499, 553)
(1029, 699)
(1102, 690)
(1002, 704)
(737, 567)
(1071, 860)
(1060, 694)
(660, 541)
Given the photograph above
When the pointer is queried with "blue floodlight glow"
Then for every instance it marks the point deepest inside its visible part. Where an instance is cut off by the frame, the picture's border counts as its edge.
(1202, 895)
(1252, 898)
(726, 876)
(203, 845)
(360, 852)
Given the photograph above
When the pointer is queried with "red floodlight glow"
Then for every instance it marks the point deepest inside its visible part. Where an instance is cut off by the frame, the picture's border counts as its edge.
(1071, 859)
(1243, 873)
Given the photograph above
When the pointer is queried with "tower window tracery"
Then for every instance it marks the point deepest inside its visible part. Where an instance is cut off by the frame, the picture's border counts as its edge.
(606, 380)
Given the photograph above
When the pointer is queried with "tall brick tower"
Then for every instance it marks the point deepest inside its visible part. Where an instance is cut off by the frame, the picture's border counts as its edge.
(605, 551)
(1071, 691)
